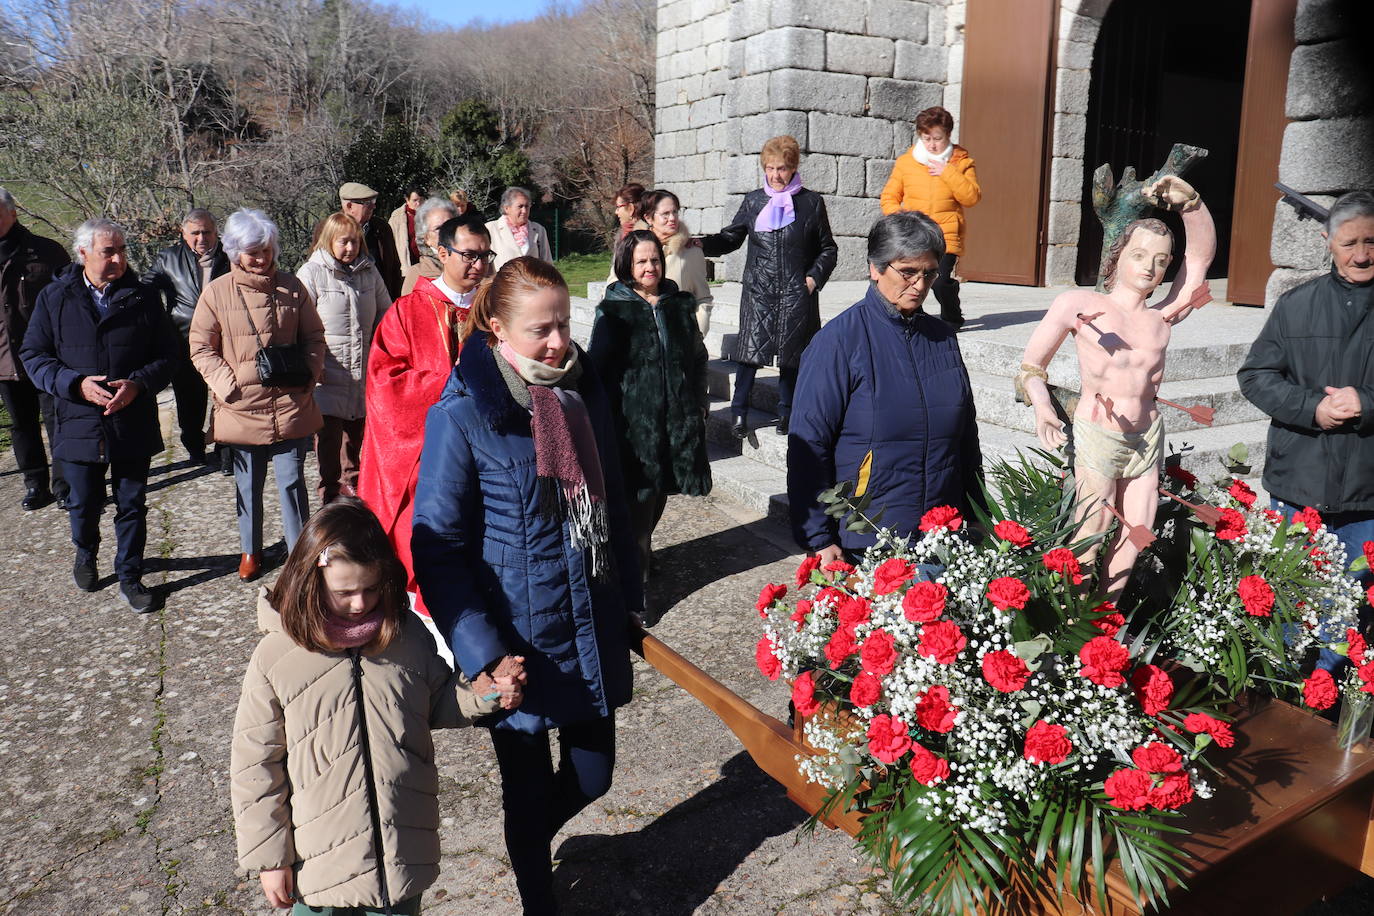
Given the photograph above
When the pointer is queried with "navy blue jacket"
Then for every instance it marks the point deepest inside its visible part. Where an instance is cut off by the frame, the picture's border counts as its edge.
(499, 577)
(887, 404)
(67, 340)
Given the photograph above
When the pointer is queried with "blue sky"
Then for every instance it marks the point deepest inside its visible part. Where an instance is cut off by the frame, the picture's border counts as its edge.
(462, 12)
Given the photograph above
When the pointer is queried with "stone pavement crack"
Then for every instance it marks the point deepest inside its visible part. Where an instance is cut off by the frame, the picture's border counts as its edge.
(109, 836)
(171, 886)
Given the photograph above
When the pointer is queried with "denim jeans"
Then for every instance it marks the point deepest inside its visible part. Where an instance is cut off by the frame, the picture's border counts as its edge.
(250, 476)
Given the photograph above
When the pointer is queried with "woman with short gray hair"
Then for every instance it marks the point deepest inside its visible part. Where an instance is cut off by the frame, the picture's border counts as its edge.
(264, 420)
(883, 400)
(514, 234)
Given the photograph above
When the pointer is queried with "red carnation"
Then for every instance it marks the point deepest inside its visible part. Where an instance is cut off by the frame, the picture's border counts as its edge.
(1005, 671)
(1231, 525)
(1111, 620)
(1369, 594)
(941, 517)
(1174, 791)
(1309, 518)
(865, 690)
(840, 646)
(1202, 724)
(1129, 789)
(1368, 549)
(1046, 743)
(1319, 558)
(926, 766)
(839, 567)
(1240, 491)
(807, 567)
(1103, 658)
(1177, 472)
(1007, 593)
(1319, 690)
(1366, 673)
(767, 596)
(798, 615)
(942, 641)
(804, 694)
(768, 662)
(924, 601)
(1014, 533)
(888, 738)
(1357, 645)
(879, 653)
(891, 575)
(1256, 595)
(1062, 561)
(1153, 688)
(934, 712)
(854, 610)
(1157, 757)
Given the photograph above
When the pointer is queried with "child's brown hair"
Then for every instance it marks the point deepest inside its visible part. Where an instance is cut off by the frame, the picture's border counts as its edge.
(349, 531)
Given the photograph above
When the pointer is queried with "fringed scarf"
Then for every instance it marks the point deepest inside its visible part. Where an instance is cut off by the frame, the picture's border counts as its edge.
(566, 458)
(779, 212)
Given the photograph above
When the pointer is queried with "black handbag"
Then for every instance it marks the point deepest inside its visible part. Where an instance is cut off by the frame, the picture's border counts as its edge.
(279, 365)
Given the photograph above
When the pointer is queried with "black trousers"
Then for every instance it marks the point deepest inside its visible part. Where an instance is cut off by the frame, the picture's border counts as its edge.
(27, 407)
(946, 290)
(130, 484)
(538, 801)
(191, 393)
(744, 386)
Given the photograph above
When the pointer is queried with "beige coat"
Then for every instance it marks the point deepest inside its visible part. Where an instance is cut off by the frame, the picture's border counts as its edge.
(400, 233)
(503, 243)
(349, 303)
(224, 351)
(297, 779)
(429, 268)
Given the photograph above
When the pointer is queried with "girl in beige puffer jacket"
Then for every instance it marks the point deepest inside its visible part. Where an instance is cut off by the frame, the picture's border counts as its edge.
(332, 767)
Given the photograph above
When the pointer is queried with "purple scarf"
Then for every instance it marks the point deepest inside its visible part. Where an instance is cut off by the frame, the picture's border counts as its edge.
(352, 635)
(779, 212)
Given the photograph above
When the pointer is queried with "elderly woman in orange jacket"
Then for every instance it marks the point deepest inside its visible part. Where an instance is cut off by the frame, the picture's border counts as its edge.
(937, 178)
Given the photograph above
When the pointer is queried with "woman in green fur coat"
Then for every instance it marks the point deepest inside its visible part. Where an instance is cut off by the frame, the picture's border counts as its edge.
(648, 352)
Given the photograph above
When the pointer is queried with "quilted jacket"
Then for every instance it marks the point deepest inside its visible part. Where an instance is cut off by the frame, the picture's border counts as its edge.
(349, 303)
(942, 197)
(297, 777)
(502, 578)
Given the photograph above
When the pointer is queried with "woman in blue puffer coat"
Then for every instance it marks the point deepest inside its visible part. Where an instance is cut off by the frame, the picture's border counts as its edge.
(523, 547)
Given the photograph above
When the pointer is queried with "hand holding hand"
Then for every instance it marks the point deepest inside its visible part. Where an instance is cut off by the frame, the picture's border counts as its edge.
(1049, 428)
(279, 886)
(1345, 401)
(512, 690)
(125, 392)
(93, 391)
(830, 554)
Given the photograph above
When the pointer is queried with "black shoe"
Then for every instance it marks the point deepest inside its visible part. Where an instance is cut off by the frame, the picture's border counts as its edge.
(36, 498)
(226, 462)
(740, 427)
(196, 457)
(84, 574)
(781, 428)
(64, 502)
(139, 597)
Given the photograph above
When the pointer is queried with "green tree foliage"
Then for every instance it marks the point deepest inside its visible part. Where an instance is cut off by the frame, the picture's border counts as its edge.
(388, 159)
(474, 156)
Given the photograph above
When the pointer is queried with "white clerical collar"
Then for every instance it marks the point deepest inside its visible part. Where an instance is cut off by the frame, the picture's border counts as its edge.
(462, 300)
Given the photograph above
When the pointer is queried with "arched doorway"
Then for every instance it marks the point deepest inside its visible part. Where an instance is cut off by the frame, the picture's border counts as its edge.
(1166, 71)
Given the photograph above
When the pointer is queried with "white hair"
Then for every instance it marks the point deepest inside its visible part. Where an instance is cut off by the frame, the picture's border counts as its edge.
(512, 193)
(7, 201)
(87, 231)
(429, 206)
(248, 230)
(1355, 205)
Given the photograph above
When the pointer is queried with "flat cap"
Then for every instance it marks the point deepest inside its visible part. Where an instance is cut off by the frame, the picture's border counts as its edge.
(355, 190)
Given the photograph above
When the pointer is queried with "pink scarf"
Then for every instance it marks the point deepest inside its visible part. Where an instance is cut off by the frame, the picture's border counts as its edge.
(521, 233)
(352, 635)
(779, 212)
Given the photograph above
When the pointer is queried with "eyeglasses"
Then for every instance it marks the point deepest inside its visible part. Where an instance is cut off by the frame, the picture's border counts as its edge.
(471, 257)
(910, 275)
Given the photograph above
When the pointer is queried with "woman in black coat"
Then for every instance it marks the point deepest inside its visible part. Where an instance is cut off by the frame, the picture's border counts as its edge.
(648, 352)
(790, 256)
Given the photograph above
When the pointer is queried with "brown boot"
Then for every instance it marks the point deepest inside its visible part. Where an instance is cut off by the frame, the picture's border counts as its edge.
(249, 566)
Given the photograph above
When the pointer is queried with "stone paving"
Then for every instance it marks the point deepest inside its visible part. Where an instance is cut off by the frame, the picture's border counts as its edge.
(114, 737)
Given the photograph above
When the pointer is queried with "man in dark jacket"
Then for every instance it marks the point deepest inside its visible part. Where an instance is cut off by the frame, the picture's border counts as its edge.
(102, 346)
(884, 400)
(360, 202)
(1311, 371)
(28, 263)
(179, 273)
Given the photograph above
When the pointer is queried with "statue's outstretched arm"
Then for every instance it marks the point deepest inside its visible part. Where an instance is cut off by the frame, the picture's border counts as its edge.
(1188, 291)
(1044, 343)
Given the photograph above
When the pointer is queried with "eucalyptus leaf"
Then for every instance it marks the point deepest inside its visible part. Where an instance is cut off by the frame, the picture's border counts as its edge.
(1028, 650)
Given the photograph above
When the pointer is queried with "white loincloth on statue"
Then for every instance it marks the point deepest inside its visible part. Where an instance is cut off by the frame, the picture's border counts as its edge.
(1114, 454)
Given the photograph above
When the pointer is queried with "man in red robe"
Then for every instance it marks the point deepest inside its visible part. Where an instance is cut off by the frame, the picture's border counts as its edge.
(413, 352)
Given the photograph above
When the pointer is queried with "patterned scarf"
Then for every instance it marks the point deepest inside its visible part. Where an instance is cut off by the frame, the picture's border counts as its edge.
(352, 635)
(567, 461)
(779, 213)
(522, 234)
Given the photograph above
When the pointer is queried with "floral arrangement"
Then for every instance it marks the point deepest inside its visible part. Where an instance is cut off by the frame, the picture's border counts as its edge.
(988, 718)
(1260, 594)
